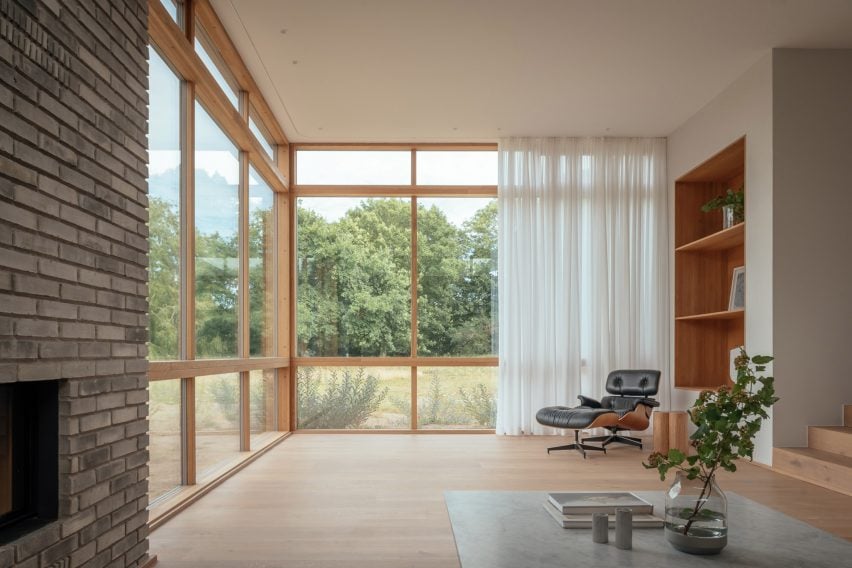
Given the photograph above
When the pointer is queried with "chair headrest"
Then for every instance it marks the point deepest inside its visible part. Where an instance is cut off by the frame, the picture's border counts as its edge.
(629, 382)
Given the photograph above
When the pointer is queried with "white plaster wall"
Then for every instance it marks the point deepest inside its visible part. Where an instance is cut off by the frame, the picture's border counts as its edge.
(812, 208)
(743, 109)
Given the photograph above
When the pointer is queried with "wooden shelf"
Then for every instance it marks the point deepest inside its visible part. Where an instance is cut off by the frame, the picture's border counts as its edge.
(724, 315)
(705, 260)
(723, 240)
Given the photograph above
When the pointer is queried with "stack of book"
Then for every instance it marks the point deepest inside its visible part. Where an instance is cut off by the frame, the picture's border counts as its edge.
(574, 510)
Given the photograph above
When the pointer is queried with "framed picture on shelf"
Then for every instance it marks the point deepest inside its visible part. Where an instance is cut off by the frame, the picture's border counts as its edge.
(737, 300)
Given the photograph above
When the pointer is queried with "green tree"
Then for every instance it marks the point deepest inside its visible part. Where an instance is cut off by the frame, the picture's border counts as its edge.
(164, 279)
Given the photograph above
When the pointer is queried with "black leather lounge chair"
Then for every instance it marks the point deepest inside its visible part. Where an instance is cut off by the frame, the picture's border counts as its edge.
(628, 408)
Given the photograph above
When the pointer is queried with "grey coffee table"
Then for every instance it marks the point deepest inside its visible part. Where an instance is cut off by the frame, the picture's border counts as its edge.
(495, 529)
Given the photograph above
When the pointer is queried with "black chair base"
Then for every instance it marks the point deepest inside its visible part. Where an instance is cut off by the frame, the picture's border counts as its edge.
(578, 445)
(614, 436)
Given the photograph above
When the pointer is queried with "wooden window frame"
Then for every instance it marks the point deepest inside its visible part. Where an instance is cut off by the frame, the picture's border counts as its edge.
(412, 191)
(174, 42)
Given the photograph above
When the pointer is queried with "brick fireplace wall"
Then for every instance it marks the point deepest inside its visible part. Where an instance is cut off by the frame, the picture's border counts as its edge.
(73, 257)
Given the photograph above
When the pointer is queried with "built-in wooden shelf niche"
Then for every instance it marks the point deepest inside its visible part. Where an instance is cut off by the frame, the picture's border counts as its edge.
(705, 258)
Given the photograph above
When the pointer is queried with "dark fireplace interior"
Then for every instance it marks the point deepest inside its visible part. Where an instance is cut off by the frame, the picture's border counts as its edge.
(29, 457)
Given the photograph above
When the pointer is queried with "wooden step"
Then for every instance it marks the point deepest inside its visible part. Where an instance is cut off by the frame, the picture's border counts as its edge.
(847, 415)
(825, 469)
(834, 439)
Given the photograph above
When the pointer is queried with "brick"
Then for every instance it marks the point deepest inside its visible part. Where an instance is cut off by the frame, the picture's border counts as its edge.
(17, 349)
(35, 542)
(95, 421)
(59, 550)
(110, 537)
(17, 260)
(77, 293)
(57, 229)
(33, 199)
(36, 328)
(110, 332)
(38, 371)
(16, 215)
(78, 369)
(109, 401)
(17, 305)
(94, 278)
(127, 414)
(89, 460)
(36, 243)
(35, 286)
(58, 350)
(109, 367)
(77, 330)
(59, 310)
(94, 313)
(110, 470)
(94, 350)
(124, 350)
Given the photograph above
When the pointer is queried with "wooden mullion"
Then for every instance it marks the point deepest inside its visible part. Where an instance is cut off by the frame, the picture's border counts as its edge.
(188, 445)
(245, 411)
(243, 246)
(188, 16)
(181, 56)
(414, 418)
(283, 397)
(234, 62)
(395, 146)
(395, 361)
(292, 276)
(394, 191)
(165, 370)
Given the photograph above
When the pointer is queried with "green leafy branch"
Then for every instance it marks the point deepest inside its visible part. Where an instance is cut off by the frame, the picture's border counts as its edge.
(726, 421)
(735, 199)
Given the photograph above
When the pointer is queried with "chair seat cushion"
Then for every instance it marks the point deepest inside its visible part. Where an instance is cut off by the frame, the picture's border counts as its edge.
(570, 418)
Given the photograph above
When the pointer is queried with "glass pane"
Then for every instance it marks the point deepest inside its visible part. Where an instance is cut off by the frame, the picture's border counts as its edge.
(354, 266)
(217, 421)
(262, 394)
(217, 74)
(456, 167)
(456, 397)
(164, 209)
(353, 167)
(354, 397)
(258, 133)
(217, 207)
(261, 257)
(174, 8)
(165, 439)
(456, 276)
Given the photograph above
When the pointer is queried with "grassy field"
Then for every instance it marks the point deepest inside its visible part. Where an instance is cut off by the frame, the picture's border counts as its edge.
(441, 396)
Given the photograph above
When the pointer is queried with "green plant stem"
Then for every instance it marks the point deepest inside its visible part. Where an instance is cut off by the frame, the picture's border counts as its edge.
(699, 503)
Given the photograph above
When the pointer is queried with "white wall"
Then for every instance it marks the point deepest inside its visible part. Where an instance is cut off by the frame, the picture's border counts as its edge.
(743, 109)
(812, 209)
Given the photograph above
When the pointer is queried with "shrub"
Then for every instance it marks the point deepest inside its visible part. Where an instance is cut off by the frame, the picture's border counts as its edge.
(345, 402)
(479, 404)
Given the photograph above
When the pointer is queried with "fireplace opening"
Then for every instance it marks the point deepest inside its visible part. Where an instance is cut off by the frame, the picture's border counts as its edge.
(29, 457)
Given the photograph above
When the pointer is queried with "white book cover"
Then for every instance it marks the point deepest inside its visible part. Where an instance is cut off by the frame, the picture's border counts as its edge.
(588, 502)
(640, 521)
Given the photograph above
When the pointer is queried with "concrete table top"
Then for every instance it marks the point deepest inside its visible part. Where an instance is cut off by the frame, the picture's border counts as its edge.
(496, 529)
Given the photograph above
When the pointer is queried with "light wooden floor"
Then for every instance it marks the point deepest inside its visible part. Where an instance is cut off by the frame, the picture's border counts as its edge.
(377, 500)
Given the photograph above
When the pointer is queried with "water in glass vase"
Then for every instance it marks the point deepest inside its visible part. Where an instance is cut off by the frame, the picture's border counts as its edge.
(696, 516)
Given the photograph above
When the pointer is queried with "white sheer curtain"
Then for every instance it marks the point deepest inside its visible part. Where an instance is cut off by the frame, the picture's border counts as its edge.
(583, 270)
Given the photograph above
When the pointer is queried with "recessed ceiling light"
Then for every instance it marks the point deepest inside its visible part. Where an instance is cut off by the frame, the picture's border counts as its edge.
(319, 127)
(295, 62)
(455, 128)
(283, 31)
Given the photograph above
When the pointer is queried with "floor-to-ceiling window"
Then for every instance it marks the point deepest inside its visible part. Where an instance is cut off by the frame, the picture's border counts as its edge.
(218, 372)
(396, 272)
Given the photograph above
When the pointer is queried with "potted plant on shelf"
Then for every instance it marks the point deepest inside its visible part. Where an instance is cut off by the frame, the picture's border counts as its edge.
(727, 420)
(732, 205)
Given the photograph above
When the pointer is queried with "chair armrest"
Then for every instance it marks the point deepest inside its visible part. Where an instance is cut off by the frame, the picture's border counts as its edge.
(629, 404)
(590, 402)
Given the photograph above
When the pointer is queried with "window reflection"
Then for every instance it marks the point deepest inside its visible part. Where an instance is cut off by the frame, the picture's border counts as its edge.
(217, 207)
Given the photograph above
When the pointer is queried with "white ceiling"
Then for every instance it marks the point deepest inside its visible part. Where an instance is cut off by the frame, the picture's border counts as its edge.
(478, 70)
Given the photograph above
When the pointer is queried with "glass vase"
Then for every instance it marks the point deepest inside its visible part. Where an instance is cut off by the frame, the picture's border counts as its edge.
(728, 216)
(696, 515)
